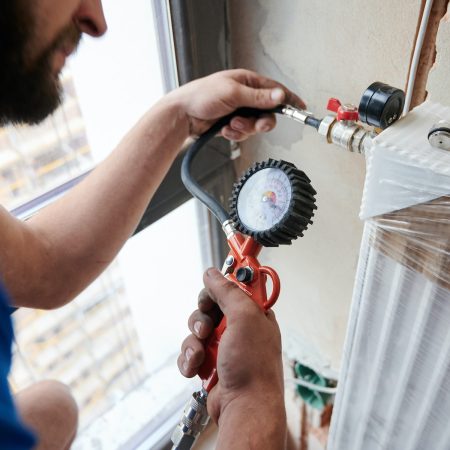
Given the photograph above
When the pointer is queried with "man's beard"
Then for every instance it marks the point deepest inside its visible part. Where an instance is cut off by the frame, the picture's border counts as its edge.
(29, 91)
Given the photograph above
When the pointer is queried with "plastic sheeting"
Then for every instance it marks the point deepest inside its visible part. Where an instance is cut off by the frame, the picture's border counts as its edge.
(403, 169)
(394, 388)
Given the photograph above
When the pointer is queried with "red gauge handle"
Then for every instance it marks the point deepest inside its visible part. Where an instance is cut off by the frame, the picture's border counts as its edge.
(275, 286)
(243, 252)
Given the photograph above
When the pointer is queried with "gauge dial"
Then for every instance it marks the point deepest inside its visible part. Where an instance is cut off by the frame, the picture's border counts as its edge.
(264, 199)
(273, 202)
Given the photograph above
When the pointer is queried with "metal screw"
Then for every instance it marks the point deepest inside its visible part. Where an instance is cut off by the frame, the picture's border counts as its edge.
(229, 261)
(349, 107)
(439, 135)
(244, 274)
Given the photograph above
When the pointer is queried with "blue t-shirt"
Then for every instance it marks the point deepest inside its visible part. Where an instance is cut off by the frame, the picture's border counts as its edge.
(13, 434)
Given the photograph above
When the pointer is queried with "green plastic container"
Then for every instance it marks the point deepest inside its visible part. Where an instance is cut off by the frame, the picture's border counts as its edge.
(316, 399)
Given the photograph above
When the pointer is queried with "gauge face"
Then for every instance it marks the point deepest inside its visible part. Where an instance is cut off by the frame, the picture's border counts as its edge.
(273, 203)
(264, 199)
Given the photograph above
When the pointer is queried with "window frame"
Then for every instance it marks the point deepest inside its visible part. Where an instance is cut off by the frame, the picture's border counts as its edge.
(193, 42)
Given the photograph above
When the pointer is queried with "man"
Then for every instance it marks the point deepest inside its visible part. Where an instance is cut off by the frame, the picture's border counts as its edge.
(46, 261)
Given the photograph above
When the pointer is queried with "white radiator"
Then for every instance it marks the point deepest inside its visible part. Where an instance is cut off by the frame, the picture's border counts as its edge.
(394, 387)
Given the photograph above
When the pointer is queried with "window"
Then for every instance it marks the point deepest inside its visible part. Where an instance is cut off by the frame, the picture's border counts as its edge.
(116, 344)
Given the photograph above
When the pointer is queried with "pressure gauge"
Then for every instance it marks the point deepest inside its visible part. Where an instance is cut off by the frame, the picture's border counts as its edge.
(273, 202)
(381, 105)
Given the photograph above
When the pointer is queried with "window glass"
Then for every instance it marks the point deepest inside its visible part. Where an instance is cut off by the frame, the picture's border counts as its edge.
(36, 159)
(116, 344)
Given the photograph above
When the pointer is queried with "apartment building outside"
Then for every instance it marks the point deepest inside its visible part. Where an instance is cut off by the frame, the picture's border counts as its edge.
(90, 344)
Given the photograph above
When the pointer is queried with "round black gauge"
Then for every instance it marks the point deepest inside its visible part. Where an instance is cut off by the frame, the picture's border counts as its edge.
(273, 202)
(381, 105)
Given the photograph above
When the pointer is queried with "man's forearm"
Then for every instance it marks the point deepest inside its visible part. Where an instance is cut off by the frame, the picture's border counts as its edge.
(80, 234)
(47, 261)
(255, 423)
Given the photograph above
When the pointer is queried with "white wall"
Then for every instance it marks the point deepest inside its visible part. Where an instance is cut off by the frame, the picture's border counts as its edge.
(321, 49)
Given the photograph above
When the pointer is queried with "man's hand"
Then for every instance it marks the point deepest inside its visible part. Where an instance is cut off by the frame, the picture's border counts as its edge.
(248, 401)
(208, 99)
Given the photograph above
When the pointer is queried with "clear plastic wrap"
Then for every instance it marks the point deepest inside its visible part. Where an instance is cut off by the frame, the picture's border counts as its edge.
(419, 238)
(403, 169)
(394, 386)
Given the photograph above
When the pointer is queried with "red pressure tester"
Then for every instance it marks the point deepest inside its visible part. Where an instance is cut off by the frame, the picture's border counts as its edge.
(271, 204)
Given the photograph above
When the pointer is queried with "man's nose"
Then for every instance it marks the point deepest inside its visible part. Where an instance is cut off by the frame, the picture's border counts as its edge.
(90, 19)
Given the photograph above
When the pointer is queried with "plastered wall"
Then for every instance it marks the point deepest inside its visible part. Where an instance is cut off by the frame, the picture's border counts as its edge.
(321, 49)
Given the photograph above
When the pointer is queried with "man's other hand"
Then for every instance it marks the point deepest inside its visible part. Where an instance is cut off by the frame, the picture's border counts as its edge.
(207, 99)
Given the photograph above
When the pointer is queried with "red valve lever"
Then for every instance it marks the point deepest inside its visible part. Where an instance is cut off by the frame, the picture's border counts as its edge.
(244, 251)
(344, 112)
(333, 104)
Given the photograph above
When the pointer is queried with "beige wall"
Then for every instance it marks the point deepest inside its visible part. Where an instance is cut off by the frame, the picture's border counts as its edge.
(438, 85)
(321, 49)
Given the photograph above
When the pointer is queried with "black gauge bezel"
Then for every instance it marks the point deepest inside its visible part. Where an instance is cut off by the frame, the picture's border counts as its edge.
(298, 214)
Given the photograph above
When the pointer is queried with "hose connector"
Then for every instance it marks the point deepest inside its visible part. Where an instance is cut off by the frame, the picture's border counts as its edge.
(229, 228)
(194, 421)
(299, 115)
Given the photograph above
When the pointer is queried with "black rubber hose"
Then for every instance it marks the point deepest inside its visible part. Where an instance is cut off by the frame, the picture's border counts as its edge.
(313, 122)
(191, 185)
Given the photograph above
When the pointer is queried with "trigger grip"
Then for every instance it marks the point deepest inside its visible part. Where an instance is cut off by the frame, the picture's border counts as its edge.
(275, 286)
